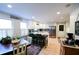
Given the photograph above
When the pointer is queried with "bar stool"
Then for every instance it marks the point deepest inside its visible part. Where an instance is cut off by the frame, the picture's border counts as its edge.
(19, 49)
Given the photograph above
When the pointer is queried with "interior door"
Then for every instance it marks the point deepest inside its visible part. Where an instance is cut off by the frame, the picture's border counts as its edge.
(52, 31)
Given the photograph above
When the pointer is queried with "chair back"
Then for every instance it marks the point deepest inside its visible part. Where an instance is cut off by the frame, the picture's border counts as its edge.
(19, 49)
(29, 39)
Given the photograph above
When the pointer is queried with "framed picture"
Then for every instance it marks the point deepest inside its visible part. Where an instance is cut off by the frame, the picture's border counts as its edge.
(61, 27)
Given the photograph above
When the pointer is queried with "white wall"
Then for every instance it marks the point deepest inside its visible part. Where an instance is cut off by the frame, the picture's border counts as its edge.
(67, 27)
(73, 18)
(60, 33)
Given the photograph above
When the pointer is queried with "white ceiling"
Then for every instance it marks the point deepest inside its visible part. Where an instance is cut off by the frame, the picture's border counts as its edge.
(44, 12)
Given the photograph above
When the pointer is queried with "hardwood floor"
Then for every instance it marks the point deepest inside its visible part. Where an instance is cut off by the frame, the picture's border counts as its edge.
(53, 47)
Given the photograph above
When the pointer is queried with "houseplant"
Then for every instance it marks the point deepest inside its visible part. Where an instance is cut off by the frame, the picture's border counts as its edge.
(18, 37)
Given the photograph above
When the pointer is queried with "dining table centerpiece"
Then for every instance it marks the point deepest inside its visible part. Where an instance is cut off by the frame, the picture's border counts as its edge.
(16, 40)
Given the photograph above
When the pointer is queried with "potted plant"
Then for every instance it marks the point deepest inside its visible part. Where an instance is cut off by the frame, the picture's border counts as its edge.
(17, 37)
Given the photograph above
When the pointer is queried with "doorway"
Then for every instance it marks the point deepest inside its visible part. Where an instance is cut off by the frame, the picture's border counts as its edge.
(52, 31)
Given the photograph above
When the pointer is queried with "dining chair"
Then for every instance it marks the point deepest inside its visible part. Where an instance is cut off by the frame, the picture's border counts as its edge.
(19, 49)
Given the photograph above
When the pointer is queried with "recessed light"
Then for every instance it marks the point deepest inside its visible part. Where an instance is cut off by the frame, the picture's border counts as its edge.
(9, 6)
(58, 13)
(33, 17)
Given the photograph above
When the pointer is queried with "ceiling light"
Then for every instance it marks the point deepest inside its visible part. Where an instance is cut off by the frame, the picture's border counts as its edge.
(33, 17)
(58, 13)
(9, 6)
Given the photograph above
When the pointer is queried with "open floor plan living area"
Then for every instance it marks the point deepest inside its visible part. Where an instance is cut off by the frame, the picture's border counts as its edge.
(39, 28)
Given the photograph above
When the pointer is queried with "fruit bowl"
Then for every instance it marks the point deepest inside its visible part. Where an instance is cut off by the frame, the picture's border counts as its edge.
(15, 42)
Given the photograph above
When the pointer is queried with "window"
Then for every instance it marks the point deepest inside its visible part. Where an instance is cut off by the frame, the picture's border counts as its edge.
(5, 28)
(24, 30)
(5, 24)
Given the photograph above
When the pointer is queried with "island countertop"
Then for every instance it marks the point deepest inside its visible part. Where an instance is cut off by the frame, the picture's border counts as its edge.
(5, 49)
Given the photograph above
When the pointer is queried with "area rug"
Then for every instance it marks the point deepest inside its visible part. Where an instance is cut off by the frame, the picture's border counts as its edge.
(33, 50)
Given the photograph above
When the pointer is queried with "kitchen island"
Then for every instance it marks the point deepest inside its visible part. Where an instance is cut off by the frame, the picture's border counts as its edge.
(8, 49)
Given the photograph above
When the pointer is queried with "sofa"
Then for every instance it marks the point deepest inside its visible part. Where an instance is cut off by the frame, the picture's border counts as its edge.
(39, 40)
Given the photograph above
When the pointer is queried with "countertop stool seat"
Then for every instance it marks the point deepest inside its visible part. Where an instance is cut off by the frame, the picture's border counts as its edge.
(19, 49)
